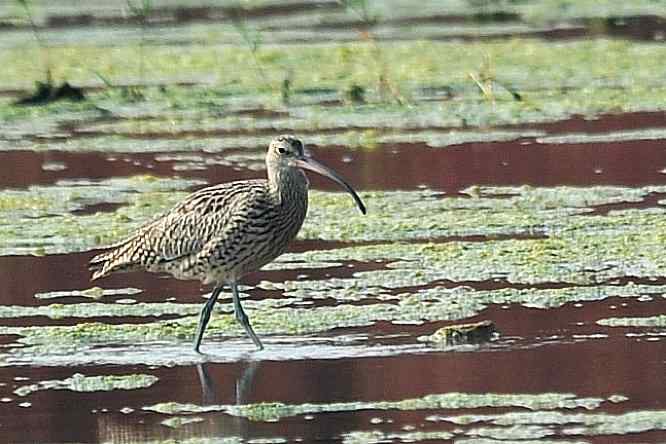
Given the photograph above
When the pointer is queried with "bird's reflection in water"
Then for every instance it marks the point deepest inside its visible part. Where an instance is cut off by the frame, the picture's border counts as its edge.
(223, 425)
(123, 429)
(243, 383)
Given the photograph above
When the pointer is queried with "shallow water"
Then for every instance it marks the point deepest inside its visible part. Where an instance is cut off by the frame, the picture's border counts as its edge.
(545, 221)
(563, 365)
(449, 170)
(558, 350)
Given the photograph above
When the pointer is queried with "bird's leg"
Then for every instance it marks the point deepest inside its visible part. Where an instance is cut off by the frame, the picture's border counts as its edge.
(205, 316)
(242, 317)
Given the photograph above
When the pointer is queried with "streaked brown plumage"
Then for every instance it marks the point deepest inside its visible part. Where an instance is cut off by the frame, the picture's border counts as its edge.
(220, 233)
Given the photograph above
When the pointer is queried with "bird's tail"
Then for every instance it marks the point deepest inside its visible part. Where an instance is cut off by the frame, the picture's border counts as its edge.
(119, 258)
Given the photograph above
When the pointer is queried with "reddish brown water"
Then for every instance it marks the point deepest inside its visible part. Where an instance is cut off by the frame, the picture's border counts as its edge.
(527, 359)
(403, 166)
(588, 368)
(21, 277)
(533, 364)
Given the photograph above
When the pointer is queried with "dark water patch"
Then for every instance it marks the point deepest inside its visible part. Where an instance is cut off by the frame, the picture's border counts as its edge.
(484, 285)
(346, 269)
(117, 416)
(21, 277)
(591, 368)
(10, 340)
(479, 17)
(267, 10)
(406, 166)
(641, 28)
(515, 321)
(567, 32)
(26, 168)
(603, 123)
(322, 302)
(175, 15)
(333, 302)
(646, 437)
(262, 113)
(651, 200)
(569, 322)
(330, 103)
(43, 421)
(557, 33)
(69, 21)
(585, 368)
(444, 19)
(302, 245)
(37, 321)
(578, 318)
(484, 238)
(98, 208)
(631, 280)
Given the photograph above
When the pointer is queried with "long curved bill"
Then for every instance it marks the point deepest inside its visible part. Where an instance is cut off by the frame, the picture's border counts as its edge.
(309, 163)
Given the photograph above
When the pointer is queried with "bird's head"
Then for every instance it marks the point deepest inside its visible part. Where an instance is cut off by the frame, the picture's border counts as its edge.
(287, 151)
(284, 149)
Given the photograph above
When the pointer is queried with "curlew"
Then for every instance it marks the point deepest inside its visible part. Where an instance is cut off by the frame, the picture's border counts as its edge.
(220, 233)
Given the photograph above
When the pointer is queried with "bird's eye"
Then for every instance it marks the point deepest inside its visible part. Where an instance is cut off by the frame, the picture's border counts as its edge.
(282, 150)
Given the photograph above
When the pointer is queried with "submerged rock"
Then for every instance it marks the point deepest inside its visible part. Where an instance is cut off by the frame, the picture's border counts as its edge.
(472, 333)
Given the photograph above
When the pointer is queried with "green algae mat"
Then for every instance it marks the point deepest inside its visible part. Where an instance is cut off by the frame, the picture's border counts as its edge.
(429, 271)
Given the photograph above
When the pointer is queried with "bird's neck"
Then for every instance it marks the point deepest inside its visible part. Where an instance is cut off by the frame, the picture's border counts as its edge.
(287, 184)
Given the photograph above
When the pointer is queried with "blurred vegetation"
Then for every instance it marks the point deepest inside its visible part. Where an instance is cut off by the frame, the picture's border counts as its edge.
(531, 66)
(27, 8)
(349, 51)
(141, 13)
(368, 19)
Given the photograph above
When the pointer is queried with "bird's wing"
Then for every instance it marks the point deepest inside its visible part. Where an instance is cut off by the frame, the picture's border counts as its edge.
(201, 217)
(232, 241)
(184, 230)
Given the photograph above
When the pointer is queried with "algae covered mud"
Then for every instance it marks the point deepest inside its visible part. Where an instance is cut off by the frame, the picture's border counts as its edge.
(512, 158)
